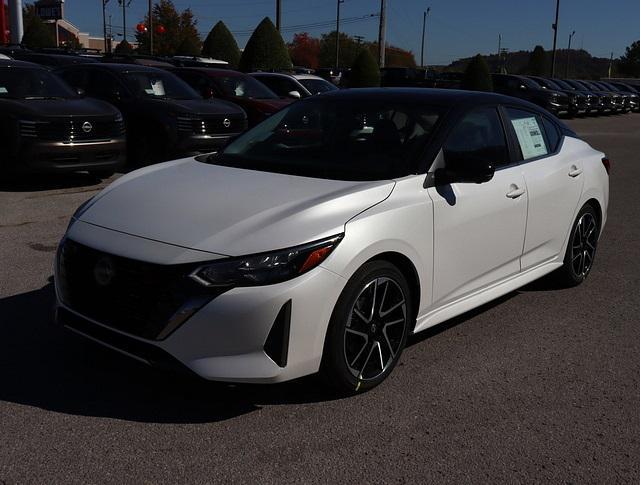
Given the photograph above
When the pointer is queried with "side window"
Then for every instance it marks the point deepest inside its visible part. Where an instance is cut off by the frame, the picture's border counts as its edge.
(273, 84)
(479, 136)
(553, 135)
(526, 126)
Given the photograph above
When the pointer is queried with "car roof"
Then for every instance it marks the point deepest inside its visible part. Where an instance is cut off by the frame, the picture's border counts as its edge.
(276, 74)
(13, 63)
(116, 67)
(210, 71)
(308, 76)
(434, 96)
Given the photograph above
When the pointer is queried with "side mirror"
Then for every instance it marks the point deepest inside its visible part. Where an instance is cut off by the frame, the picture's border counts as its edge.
(465, 170)
(80, 91)
(294, 94)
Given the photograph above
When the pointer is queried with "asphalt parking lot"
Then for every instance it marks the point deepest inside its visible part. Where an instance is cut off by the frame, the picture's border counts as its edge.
(542, 385)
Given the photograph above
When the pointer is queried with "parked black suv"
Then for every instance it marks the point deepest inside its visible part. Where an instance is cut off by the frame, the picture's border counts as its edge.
(605, 103)
(523, 87)
(46, 127)
(578, 102)
(633, 91)
(165, 117)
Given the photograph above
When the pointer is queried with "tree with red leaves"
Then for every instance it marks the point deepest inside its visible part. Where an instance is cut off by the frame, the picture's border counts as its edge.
(305, 50)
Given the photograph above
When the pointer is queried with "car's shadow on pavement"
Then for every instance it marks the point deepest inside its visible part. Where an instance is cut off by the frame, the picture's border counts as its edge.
(45, 366)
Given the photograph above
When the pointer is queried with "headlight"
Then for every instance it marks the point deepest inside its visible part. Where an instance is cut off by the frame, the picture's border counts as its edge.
(266, 268)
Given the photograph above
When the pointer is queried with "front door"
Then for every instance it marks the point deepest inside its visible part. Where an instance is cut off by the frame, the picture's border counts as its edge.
(479, 229)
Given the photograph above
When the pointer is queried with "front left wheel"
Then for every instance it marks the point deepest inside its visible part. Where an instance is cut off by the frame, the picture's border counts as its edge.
(368, 328)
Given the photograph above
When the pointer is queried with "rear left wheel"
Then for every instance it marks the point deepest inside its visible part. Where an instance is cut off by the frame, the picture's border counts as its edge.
(581, 249)
(368, 328)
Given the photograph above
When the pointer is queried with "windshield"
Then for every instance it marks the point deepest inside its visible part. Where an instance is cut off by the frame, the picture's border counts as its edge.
(336, 139)
(317, 86)
(29, 83)
(529, 83)
(243, 87)
(159, 85)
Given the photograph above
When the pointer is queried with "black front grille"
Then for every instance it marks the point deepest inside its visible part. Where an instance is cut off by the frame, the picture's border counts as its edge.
(73, 130)
(143, 299)
(212, 126)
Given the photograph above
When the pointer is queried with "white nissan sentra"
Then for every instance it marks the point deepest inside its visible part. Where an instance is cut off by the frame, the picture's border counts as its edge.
(323, 237)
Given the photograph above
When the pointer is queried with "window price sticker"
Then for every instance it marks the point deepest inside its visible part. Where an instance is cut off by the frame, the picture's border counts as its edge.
(530, 137)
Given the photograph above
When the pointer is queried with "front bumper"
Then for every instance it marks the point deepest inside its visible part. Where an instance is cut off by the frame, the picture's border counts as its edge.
(48, 156)
(225, 340)
(195, 145)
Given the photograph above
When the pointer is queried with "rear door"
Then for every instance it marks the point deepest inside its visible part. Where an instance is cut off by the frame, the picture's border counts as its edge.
(478, 228)
(554, 183)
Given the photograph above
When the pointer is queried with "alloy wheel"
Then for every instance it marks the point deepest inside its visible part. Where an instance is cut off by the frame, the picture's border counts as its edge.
(583, 245)
(375, 330)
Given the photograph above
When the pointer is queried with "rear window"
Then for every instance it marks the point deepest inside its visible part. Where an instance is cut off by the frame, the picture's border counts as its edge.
(529, 130)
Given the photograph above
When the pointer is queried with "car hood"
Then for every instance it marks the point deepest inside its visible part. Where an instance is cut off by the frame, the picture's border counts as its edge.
(60, 108)
(200, 106)
(229, 211)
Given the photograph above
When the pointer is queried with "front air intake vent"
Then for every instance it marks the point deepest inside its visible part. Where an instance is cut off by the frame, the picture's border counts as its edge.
(277, 344)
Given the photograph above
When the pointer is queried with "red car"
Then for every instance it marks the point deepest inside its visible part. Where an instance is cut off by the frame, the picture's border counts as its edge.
(255, 98)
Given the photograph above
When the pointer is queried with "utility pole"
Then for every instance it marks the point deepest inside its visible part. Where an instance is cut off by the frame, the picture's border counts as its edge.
(338, 2)
(150, 27)
(425, 14)
(566, 70)
(610, 64)
(382, 33)
(278, 14)
(124, 19)
(104, 24)
(555, 38)
(15, 21)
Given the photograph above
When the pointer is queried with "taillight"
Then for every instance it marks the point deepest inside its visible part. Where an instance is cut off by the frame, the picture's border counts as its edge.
(607, 164)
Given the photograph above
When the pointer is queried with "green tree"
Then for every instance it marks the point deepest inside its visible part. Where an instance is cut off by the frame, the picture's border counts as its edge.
(364, 71)
(37, 34)
(477, 76)
(220, 44)
(538, 64)
(265, 50)
(629, 63)
(180, 31)
(123, 48)
(349, 49)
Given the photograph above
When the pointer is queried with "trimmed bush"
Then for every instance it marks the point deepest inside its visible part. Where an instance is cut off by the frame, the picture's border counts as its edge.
(220, 44)
(477, 76)
(265, 51)
(538, 65)
(364, 71)
(123, 48)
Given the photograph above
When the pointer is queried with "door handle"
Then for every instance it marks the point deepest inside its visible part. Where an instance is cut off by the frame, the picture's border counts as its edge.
(515, 192)
(575, 171)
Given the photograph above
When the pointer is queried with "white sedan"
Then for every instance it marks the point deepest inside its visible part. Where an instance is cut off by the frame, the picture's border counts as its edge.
(320, 239)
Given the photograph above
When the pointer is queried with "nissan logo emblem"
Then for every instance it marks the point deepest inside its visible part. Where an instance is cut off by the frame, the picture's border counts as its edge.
(104, 272)
(87, 127)
(226, 122)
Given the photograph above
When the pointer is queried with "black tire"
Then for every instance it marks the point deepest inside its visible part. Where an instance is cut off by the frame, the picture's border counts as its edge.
(383, 336)
(581, 248)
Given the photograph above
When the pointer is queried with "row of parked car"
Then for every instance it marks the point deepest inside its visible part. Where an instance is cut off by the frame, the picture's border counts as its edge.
(61, 112)
(73, 113)
(571, 97)
(564, 97)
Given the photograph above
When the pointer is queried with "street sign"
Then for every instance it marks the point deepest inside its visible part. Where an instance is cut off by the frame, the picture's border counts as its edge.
(50, 9)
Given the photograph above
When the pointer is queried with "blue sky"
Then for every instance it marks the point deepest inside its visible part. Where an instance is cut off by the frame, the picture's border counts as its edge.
(456, 28)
